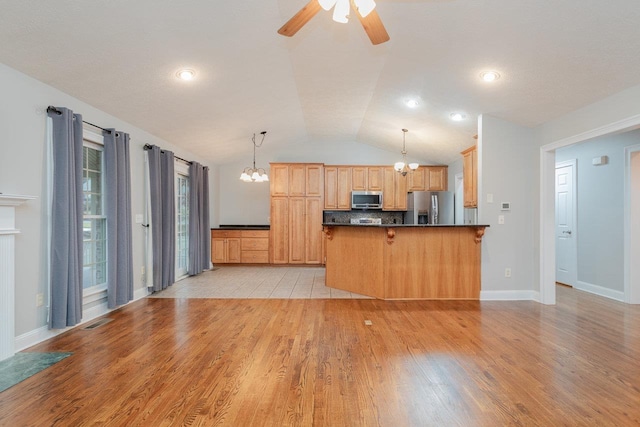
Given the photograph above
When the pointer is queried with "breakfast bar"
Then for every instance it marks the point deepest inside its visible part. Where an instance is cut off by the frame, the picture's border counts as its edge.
(403, 261)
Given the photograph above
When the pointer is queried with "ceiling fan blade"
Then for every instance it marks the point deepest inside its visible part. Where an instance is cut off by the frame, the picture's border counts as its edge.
(373, 26)
(298, 20)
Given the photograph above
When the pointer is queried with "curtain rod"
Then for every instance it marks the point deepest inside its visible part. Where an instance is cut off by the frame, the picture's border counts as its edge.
(148, 147)
(52, 109)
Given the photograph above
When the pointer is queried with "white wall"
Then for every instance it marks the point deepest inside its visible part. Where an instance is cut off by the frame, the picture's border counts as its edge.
(248, 203)
(506, 164)
(600, 206)
(22, 171)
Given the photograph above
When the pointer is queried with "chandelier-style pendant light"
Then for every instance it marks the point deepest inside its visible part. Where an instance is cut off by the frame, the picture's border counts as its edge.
(255, 174)
(402, 167)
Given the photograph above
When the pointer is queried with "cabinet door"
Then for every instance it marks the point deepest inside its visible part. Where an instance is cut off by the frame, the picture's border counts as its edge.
(344, 188)
(389, 189)
(314, 180)
(297, 227)
(469, 178)
(437, 178)
(400, 187)
(359, 178)
(375, 177)
(330, 187)
(313, 230)
(297, 180)
(279, 179)
(279, 230)
(218, 250)
(416, 179)
(233, 250)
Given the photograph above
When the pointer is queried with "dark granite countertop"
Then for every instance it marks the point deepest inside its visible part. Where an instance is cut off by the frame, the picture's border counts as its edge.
(335, 224)
(241, 227)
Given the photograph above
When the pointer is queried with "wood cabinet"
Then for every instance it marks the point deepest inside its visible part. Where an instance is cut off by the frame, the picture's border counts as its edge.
(438, 178)
(394, 197)
(375, 178)
(337, 187)
(225, 246)
(428, 178)
(279, 180)
(470, 177)
(296, 217)
(359, 178)
(279, 233)
(240, 246)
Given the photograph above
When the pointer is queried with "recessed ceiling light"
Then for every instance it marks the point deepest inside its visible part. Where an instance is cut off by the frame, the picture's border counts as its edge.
(412, 103)
(186, 74)
(490, 76)
(456, 117)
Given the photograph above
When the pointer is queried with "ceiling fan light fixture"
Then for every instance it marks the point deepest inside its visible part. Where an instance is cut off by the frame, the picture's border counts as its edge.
(327, 4)
(341, 11)
(365, 7)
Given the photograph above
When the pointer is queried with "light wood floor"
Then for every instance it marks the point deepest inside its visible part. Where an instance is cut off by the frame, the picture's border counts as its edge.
(254, 362)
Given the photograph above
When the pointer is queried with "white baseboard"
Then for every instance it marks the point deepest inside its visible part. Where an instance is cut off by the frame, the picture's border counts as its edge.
(509, 296)
(599, 290)
(43, 333)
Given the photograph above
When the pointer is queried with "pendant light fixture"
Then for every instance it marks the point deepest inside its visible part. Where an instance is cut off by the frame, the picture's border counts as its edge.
(342, 8)
(402, 167)
(255, 174)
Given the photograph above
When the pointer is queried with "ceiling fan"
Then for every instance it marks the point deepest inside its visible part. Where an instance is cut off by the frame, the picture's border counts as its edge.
(364, 10)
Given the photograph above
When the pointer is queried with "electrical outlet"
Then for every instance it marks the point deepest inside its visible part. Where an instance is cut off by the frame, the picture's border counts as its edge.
(507, 272)
(368, 322)
(500, 219)
(39, 299)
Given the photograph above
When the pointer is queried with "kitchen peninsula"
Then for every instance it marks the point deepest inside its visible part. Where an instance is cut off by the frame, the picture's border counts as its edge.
(405, 261)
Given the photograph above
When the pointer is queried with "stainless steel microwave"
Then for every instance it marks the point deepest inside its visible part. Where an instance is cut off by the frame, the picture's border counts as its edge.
(366, 200)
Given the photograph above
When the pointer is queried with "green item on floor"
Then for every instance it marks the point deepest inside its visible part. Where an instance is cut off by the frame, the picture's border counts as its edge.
(21, 366)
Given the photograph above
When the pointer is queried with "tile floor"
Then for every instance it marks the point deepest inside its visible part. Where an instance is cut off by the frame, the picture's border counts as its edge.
(257, 282)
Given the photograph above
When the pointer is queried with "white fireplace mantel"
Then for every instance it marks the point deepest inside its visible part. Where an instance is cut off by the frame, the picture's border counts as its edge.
(8, 204)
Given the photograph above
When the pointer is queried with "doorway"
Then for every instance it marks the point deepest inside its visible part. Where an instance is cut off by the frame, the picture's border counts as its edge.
(547, 213)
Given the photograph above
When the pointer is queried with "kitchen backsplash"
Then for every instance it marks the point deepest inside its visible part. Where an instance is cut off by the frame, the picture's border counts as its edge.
(344, 217)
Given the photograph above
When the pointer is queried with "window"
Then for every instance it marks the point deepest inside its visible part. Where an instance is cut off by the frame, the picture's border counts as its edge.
(94, 224)
(182, 221)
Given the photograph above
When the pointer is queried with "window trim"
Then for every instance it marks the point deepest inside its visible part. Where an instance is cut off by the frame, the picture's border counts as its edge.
(95, 141)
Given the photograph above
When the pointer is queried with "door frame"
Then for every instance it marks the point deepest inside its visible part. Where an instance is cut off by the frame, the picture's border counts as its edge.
(631, 290)
(547, 253)
(574, 213)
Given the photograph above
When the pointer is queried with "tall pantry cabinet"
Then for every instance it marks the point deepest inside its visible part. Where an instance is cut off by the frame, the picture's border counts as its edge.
(297, 191)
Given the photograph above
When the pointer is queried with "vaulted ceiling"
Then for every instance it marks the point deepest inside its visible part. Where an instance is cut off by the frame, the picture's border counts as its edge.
(328, 83)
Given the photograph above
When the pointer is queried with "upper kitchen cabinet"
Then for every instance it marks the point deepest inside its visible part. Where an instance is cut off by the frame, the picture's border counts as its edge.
(297, 179)
(437, 180)
(394, 190)
(314, 174)
(279, 181)
(359, 178)
(428, 178)
(417, 180)
(337, 187)
(366, 178)
(470, 177)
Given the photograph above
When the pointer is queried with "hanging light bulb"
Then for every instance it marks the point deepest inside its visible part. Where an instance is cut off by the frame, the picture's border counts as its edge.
(341, 11)
(402, 167)
(253, 174)
(365, 7)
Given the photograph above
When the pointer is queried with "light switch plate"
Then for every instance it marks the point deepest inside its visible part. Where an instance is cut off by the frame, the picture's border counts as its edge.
(139, 218)
(500, 219)
(489, 197)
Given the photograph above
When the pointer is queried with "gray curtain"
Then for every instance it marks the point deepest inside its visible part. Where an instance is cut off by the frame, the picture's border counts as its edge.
(66, 220)
(118, 213)
(199, 228)
(162, 195)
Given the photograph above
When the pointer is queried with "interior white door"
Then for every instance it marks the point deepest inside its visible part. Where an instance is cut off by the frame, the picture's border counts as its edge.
(566, 248)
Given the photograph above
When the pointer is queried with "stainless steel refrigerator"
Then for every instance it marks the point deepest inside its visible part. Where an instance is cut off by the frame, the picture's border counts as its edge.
(430, 207)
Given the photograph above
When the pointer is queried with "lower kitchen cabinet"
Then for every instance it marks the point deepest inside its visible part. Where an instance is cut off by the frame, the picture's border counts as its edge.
(240, 246)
